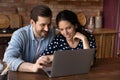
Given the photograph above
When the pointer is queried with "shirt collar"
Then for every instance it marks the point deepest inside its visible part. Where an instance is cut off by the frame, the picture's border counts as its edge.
(32, 34)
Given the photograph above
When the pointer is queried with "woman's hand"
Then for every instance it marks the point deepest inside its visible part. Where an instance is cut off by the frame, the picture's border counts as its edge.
(84, 39)
(78, 35)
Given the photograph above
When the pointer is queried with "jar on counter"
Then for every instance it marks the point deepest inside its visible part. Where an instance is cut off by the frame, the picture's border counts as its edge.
(91, 23)
(98, 20)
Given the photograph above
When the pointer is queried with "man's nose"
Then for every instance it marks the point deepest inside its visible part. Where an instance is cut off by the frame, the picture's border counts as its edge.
(46, 28)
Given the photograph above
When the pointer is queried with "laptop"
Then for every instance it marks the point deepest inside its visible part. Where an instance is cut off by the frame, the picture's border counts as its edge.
(70, 62)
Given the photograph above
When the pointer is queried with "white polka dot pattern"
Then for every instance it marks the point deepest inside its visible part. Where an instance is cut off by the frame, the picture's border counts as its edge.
(60, 43)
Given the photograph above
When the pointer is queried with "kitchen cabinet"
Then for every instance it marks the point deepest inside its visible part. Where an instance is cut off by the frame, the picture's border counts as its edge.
(4, 39)
(105, 40)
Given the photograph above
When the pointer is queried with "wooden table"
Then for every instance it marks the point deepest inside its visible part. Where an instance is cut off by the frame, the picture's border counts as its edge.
(104, 69)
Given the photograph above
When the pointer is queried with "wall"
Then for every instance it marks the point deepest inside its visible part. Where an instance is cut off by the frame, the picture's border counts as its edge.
(23, 7)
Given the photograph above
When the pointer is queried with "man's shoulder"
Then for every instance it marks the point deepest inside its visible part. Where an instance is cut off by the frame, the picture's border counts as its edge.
(22, 33)
(22, 30)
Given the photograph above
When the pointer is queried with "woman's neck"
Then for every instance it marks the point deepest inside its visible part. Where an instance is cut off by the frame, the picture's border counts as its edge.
(73, 43)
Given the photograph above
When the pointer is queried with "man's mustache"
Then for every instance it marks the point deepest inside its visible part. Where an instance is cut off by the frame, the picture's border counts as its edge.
(45, 31)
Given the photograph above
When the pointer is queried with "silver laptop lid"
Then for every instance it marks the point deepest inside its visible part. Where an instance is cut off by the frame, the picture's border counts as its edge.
(70, 62)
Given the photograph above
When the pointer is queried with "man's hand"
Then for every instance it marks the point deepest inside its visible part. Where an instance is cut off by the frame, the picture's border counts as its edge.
(42, 62)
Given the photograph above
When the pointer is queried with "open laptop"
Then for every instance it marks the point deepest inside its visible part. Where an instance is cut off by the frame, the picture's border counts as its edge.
(69, 62)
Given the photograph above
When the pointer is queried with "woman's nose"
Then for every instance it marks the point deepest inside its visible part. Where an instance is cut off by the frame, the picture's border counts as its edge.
(65, 32)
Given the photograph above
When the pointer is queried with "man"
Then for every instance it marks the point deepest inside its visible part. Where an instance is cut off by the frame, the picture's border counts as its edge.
(25, 48)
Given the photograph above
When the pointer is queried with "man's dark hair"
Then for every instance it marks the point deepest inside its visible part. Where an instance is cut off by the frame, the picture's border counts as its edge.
(40, 10)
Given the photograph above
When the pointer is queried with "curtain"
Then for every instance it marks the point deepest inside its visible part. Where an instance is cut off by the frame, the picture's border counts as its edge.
(118, 28)
(111, 14)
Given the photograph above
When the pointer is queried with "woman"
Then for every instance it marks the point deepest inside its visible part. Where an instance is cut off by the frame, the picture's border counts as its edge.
(72, 35)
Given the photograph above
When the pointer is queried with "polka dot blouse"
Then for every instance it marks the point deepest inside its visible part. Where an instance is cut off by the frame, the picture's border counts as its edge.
(60, 43)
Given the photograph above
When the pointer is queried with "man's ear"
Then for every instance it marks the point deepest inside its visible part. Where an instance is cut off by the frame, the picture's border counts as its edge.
(31, 21)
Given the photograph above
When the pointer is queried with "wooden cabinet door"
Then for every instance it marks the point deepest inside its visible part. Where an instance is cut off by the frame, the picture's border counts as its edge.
(98, 38)
(105, 40)
(108, 45)
(3, 45)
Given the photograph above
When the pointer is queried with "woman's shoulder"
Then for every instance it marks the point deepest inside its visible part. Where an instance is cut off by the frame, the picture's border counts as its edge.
(87, 33)
(59, 37)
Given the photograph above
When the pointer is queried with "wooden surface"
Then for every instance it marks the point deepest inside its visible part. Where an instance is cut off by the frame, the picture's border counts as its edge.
(5, 35)
(104, 31)
(104, 69)
(105, 40)
(4, 21)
